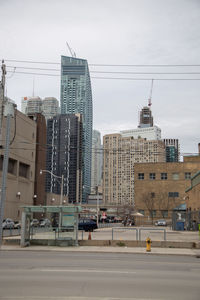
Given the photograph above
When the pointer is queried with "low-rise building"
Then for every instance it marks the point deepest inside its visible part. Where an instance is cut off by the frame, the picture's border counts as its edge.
(21, 165)
(160, 187)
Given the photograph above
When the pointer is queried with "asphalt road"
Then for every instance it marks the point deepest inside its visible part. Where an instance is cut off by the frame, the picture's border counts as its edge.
(59, 275)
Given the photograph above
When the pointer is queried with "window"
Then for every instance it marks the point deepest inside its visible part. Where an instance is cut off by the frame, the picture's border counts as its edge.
(173, 194)
(187, 175)
(152, 176)
(153, 213)
(12, 166)
(141, 176)
(141, 211)
(163, 176)
(175, 176)
(24, 170)
(152, 195)
(164, 213)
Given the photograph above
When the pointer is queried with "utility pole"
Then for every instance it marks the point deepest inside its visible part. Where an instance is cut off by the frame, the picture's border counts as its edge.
(6, 109)
(2, 93)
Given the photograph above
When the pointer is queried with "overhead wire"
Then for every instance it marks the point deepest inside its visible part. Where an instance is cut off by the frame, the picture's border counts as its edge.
(108, 65)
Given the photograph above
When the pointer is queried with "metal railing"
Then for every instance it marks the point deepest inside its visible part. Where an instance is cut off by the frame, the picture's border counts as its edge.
(150, 229)
(125, 228)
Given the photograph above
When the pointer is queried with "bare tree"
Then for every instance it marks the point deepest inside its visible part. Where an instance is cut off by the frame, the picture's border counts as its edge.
(149, 201)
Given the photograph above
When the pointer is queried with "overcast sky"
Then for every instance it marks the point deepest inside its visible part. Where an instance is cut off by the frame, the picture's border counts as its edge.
(118, 32)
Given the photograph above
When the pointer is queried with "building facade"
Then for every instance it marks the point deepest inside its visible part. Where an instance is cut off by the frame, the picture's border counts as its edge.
(160, 187)
(76, 97)
(172, 150)
(120, 155)
(34, 105)
(40, 158)
(97, 160)
(50, 107)
(149, 133)
(146, 118)
(64, 156)
(21, 166)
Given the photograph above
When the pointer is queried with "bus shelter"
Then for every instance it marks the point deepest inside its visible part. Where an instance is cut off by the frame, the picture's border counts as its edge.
(62, 232)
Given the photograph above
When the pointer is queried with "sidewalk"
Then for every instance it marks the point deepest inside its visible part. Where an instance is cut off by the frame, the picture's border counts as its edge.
(102, 249)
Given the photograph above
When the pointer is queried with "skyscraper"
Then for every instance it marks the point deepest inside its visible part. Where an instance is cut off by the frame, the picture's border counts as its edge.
(76, 97)
(50, 107)
(146, 118)
(97, 160)
(64, 155)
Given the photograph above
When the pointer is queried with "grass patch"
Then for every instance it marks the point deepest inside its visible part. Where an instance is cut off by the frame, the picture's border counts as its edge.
(121, 244)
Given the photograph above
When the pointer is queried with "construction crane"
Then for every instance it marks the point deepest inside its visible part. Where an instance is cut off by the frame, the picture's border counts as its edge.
(73, 54)
(150, 96)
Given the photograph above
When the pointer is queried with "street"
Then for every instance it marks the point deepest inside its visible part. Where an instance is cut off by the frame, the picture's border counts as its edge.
(59, 275)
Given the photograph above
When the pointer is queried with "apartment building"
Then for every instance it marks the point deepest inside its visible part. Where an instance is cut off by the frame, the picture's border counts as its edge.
(120, 156)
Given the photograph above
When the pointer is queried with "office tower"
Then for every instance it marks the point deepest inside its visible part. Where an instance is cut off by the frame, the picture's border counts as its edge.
(146, 118)
(50, 107)
(64, 155)
(76, 97)
(97, 160)
(34, 105)
(24, 101)
(172, 150)
(120, 155)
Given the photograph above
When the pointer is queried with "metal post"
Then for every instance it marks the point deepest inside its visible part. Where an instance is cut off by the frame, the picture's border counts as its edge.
(112, 234)
(97, 208)
(4, 174)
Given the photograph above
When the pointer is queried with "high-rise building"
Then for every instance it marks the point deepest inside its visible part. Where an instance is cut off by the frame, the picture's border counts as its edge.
(50, 107)
(76, 97)
(24, 101)
(172, 150)
(146, 129)
(34, 105)
(97, 160)
(120, 155)
(64, 155)
(146, 118)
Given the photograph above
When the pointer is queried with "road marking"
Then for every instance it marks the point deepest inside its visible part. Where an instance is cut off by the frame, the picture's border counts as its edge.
(86, 270)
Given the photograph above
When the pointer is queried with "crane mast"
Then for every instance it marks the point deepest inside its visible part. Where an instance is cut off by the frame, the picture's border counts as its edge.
(150, 96)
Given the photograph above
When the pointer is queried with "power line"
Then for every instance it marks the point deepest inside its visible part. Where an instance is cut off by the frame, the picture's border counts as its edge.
(112, 78)
(109, 65)
(110, 72)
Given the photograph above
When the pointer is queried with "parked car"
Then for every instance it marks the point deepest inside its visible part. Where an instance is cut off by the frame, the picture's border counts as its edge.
(8, 224)
(35, 223)
(17, 225)
(161, 223)
(87, 225)
(45, 223)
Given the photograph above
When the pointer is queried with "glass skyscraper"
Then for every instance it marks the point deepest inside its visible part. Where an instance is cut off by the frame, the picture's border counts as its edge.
(76, 97)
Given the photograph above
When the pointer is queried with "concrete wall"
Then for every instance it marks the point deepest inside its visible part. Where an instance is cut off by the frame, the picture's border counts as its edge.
(20, 189)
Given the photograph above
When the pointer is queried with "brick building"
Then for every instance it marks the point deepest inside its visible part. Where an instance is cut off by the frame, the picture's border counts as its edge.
(160, 187)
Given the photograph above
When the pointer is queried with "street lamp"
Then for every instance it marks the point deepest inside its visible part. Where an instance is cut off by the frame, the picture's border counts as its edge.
(61, 184)
(60, 177)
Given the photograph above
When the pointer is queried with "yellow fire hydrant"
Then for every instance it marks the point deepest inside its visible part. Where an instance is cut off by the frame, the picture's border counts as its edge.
(148, 244)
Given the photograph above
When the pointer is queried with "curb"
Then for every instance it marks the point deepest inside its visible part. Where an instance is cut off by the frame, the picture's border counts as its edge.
(107, 250)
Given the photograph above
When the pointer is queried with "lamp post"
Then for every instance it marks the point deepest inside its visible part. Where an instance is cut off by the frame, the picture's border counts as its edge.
(61, 184)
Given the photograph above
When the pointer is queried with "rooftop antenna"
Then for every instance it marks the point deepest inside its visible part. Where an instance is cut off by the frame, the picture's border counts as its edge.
(33, 87)
(73, 54)
(150, 96)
